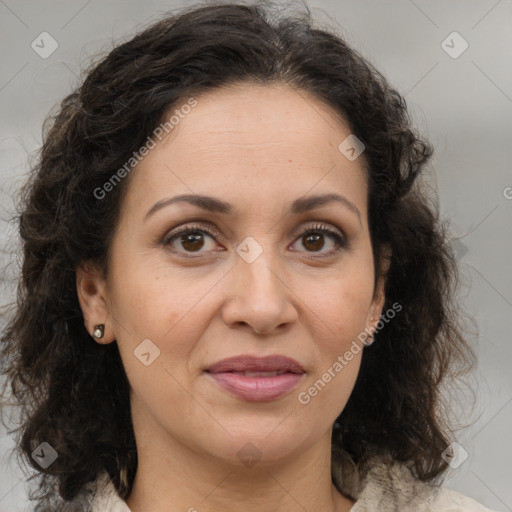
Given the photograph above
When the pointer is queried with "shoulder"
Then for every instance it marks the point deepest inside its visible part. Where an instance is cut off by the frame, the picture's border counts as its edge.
(106, 498)
(392, 487)
(98, 496)
(448, 500)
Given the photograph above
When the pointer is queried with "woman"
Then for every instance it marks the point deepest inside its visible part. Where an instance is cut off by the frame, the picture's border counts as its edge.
(234, 288)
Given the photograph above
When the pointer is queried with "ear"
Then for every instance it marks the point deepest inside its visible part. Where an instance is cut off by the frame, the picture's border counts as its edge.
(93, 298)
(379, 296)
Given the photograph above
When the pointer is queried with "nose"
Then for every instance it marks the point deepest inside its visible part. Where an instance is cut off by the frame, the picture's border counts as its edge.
(260, 296)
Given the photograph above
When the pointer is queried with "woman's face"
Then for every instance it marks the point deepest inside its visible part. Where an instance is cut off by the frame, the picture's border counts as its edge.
(254, 287)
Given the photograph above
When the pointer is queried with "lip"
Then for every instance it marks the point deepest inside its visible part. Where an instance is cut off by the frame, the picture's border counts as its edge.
(273, 363)
(228, 374)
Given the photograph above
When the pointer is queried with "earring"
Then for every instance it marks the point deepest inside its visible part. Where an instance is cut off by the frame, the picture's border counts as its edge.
(369, 341)
(99, 330)
(371, 337)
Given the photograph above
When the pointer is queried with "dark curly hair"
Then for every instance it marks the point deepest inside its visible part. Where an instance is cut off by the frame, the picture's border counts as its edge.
(73, 393)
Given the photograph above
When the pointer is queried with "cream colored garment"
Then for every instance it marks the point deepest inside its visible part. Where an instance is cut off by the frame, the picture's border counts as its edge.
(383, 490)
(396, 490)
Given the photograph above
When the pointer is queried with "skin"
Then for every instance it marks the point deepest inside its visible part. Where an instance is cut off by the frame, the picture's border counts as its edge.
(258, 148)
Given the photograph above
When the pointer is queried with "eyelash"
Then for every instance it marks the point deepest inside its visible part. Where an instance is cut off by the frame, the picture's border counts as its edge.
(339, 240)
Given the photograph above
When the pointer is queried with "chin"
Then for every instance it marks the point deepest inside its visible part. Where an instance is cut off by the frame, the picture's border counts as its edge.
(260, 443)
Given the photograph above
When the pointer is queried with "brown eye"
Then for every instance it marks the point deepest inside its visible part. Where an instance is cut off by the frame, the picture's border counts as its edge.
(190, 239)
(313, 239)
(193, 239)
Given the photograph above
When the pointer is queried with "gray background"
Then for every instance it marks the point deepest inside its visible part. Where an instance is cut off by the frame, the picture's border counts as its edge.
(462, 104)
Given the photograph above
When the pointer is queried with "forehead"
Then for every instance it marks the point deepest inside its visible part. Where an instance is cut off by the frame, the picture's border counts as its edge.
(266, 141)
(253, 117)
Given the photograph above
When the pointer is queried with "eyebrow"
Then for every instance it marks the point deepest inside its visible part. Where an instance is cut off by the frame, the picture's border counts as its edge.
(215, 205)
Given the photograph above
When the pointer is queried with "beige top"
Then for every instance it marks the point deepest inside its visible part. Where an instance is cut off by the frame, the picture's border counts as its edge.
(383, 490)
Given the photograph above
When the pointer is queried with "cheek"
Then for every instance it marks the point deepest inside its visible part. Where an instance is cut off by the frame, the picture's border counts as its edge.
(341, 305)
(150, 297)
(342, 309)
(169, 307)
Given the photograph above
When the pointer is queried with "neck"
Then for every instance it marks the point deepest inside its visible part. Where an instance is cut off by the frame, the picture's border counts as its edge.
(180, 478)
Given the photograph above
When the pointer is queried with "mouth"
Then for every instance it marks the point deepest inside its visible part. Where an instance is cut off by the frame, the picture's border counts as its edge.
(257, 374)
(257, 379)
(268, 364)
